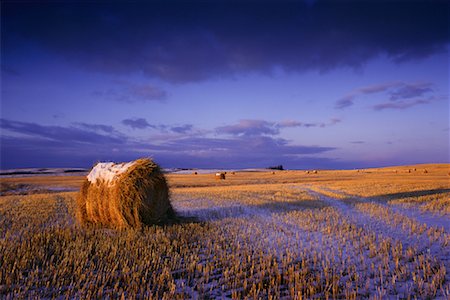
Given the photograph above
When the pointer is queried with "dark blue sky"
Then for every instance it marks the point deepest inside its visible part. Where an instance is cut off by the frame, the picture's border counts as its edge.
(306, 84)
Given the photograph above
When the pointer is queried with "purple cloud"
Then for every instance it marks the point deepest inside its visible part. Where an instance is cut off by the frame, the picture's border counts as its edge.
(377, 88)
(345, 102)
(396, 91)
(59, 133)
(262, 127)
(126, 91)
(411, 90)
(182, 129)
(141, 123)
(144, 92)
(249, 128)
(400, 104)
(220, 40)
(28, 144)
(289, 123)
(96, 127)
(138, 123)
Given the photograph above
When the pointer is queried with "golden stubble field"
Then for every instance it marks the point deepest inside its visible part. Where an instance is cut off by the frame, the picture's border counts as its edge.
(374, 233)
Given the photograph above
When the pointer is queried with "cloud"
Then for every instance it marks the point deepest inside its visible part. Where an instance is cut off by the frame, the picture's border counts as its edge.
(345, 102)
(400, 104)
(262, 127)
(141, 123)
(144, 92)
(249, 128)
(182, 129)
(138, 123)
(190, 42)
(126, 91)
(59, 133)
(26, 144)
(289, 123)
(397, 91)
(349, 99)
(408, 91)
(96, 127)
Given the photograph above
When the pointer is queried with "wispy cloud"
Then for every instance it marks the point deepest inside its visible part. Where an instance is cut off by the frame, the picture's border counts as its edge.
(400, 104)
(249, 128)
(137, 123)
(96, 127)
(30, 144)
(144, 92)
(142, 123)
(70, 134)
(408, 91)
(127, 91)
(400, 95)
(262, 127)
(182, 129)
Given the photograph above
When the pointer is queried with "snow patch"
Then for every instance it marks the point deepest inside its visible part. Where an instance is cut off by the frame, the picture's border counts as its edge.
(108, 171)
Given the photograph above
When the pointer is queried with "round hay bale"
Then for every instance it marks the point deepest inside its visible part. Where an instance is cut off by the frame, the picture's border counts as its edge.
(125, 195)
(220, 176)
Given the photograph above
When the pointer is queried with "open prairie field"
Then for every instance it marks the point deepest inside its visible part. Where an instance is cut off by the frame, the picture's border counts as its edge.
(373, 233)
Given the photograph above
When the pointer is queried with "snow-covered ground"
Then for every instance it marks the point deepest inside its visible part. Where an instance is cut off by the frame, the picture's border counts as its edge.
(384, 246)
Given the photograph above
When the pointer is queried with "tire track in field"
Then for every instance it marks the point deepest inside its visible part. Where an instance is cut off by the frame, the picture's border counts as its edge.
(278, 226)
(428, 218)
(340, 234)
(361, 219)
(397, 223)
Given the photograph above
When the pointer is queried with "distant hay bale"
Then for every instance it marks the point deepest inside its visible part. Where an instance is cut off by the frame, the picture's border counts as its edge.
(195, 173)
(125, 195)
(315, 171)
(425, 171)
(220, 176)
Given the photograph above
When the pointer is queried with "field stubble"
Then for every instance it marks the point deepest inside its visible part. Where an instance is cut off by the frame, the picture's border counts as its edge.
(330, 235)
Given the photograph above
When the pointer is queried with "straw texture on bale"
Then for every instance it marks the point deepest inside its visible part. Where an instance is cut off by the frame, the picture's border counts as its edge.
(136, 197)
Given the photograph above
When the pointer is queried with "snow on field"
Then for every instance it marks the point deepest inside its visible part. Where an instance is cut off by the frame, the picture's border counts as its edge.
(385, 248)
(285, 241)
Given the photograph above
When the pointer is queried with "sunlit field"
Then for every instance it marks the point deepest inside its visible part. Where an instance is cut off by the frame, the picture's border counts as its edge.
(373, 233)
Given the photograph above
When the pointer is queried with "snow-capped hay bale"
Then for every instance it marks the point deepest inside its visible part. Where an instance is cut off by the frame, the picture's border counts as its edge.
(220, 176)
(125, 195)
